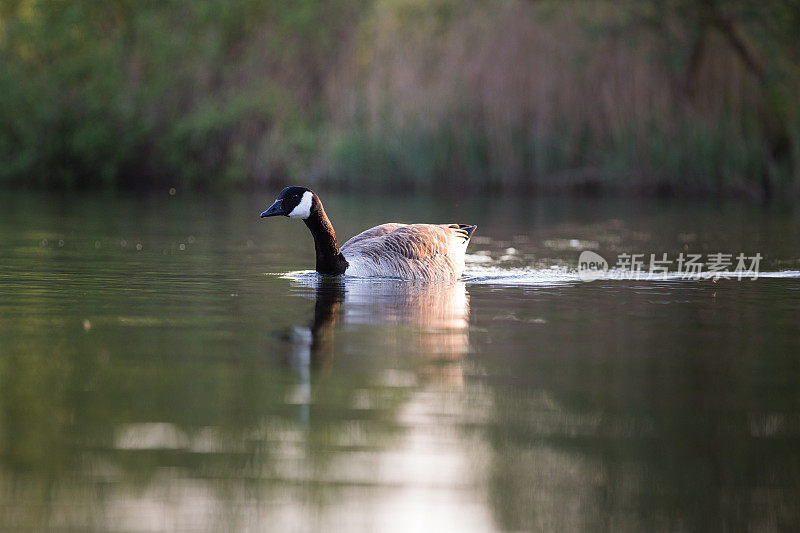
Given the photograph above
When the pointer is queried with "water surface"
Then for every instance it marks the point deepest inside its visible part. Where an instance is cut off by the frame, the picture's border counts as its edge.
(168, 362)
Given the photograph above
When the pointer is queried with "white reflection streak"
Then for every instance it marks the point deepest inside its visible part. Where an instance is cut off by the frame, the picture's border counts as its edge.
(440, 480)
(433, 478)
(434, 484)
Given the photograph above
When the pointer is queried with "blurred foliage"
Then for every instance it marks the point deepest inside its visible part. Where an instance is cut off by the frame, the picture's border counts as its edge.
(673, 96)
(142, 93)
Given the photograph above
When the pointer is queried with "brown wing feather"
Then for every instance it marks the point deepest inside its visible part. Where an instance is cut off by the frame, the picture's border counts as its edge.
(419, 242)
(416, 251)
(377, 231)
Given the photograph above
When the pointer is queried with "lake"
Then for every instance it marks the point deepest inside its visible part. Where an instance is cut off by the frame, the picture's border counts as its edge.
(168, 362)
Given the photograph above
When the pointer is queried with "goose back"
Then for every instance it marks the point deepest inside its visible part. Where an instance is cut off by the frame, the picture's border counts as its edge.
(410, 251)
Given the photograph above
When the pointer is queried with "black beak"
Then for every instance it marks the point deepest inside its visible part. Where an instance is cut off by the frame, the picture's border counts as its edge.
(274, 210)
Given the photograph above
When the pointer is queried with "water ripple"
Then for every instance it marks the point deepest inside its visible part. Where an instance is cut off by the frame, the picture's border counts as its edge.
(555, 275)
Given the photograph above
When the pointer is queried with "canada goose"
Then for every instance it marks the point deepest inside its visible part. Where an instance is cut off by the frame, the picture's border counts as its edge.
(433, 252)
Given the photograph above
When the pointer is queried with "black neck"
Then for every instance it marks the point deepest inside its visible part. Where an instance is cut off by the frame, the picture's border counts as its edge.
(330, 260)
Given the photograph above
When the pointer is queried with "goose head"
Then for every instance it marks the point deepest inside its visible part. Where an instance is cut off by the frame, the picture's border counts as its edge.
(293, 202)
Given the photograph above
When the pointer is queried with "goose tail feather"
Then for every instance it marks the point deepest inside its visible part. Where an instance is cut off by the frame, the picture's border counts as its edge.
(469, 229)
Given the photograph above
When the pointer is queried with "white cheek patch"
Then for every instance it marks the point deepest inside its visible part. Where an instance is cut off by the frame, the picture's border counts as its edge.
(303, 209)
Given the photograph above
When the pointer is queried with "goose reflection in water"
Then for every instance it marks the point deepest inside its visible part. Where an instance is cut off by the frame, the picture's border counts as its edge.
(427, 320)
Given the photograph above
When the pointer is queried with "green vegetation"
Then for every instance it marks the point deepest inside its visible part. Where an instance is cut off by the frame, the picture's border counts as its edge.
(639, 96)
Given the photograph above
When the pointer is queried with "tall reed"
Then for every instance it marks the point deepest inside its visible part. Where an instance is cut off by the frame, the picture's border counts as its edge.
(550, 95)
(637, 95)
